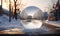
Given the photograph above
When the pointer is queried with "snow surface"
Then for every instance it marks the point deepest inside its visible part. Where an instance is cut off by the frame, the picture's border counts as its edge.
(55, 23)
(33, 26)
(4, 23)
(30, 26)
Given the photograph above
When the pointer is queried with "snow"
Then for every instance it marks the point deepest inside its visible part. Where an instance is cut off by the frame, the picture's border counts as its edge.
(33, 26)
(4, 23)
(54, 23)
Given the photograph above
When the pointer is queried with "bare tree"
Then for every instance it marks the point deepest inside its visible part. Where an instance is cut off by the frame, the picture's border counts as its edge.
(1, 8)
(1, 3)
(15, 13)
(15, 1)
(9, 11)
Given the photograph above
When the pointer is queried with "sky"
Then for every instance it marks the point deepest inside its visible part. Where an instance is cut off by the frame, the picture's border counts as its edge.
(31, 10)
(42, 4)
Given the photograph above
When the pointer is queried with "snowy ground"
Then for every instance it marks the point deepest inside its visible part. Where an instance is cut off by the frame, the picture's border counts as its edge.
(5, 24)
(33, 26)
(54, 23)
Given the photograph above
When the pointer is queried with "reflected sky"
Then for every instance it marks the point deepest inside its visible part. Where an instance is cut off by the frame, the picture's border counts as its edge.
(31, 10)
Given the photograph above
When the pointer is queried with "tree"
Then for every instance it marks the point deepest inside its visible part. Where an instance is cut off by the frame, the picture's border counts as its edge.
(15, 11)
(9, 11)
(1, 8)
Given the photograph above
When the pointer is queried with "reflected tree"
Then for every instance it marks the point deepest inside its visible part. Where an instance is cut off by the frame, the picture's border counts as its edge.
(23, 15)
(38, 15)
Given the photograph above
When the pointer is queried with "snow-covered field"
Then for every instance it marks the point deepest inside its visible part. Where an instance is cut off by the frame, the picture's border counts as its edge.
(22, 25)
(5, 24)
(30, 26)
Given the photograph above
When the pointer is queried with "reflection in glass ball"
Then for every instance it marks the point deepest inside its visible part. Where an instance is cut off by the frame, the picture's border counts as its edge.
(32, 17)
